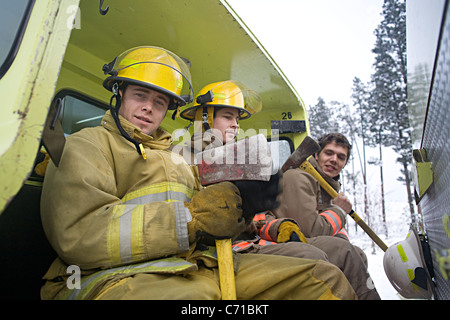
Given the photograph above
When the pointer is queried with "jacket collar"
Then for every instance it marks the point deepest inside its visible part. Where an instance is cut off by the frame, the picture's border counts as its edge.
(160, 139)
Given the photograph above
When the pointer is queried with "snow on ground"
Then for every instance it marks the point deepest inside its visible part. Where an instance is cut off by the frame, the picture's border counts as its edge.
(382, 284)
(398, 227)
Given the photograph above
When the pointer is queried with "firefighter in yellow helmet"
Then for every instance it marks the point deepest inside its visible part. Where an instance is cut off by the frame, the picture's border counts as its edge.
(223, 94)
(127, 228)
(216, 113)
(149, 67)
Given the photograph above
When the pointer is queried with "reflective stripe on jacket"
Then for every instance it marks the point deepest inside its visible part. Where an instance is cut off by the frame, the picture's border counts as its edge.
(333, 219)
(90, 284)
(267, 234)
(343, 234)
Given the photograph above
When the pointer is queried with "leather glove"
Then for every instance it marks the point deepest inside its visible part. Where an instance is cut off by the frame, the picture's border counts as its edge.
(216, 213)
(259, 196)
(289, 231)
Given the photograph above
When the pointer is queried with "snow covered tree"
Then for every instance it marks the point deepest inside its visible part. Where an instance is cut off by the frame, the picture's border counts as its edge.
(321, 119)
(372, 133)
(389, 86)
(350, 176)
(360, 102)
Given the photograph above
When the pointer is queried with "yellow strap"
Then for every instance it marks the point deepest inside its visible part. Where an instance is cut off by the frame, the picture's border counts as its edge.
(142, 151)
(226, 269)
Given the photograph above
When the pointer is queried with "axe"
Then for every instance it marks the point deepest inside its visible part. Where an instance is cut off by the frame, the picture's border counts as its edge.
(246, 159)
(299, 159)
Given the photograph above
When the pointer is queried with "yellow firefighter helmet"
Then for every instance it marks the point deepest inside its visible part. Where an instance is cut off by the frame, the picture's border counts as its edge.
(154, 68)
(230, 93)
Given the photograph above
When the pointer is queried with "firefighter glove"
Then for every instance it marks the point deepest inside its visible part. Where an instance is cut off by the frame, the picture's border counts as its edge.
(289, 231)
(259, 196)
(216, 213)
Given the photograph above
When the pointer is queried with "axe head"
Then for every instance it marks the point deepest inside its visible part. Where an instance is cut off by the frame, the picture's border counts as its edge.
(308, 147)
(246, 159)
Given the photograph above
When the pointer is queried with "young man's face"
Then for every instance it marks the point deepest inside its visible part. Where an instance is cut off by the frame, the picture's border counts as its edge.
(144, 107)
(332, 159)
(226, 121)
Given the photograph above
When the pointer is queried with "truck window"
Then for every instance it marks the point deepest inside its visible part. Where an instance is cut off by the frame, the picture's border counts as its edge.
(79, 111)
(13, 21)
(280, 151)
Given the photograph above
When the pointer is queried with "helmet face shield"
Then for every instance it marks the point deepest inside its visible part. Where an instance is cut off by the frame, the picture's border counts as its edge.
(154, 68)
(232, 94)
(253, 102)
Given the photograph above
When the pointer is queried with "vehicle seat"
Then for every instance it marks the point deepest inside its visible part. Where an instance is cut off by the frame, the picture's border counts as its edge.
(25, 251)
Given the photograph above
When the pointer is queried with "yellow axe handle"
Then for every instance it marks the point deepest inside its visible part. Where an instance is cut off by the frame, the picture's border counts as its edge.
(226, 269)
(306, 166)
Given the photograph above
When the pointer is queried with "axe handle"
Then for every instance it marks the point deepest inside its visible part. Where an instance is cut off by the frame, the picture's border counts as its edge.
(226, 269)
(368, 230)
(306, 166)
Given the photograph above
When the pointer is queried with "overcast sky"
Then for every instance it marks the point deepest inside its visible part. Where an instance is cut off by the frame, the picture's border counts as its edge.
(320, 45)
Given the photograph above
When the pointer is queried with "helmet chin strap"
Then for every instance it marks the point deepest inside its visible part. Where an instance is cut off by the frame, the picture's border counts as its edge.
(206, 125)
(115, 115)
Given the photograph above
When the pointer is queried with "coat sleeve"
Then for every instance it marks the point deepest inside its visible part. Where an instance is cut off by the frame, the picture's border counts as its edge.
(89, 226)
(299, 201)
(267, 225)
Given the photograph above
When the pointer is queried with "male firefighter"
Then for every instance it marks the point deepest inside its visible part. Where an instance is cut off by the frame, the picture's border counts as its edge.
(218, 109)
(322, 219)
(304, 200)
(132, 216)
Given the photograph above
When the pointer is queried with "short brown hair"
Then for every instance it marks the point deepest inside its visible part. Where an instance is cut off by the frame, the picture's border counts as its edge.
(337, 138)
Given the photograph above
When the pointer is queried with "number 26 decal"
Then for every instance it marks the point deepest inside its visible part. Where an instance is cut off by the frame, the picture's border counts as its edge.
(286, 115)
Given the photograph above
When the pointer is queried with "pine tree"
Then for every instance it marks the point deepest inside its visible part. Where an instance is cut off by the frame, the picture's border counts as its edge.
(360, 102)
(349, 126)
(372, 133)
(389, 82)
(321, 119)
